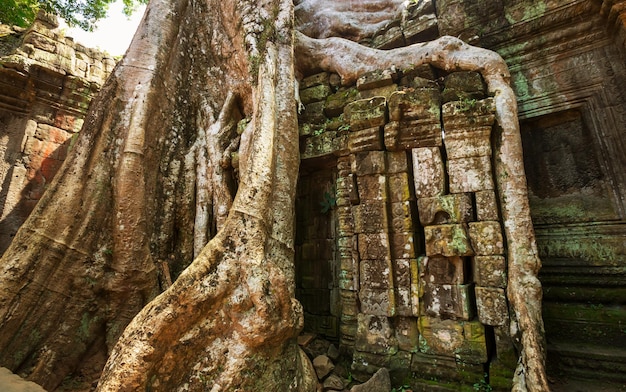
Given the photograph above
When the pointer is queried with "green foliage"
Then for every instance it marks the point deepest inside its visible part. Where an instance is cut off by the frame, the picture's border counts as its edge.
(329, 201)
(483, 385)
(82, 13)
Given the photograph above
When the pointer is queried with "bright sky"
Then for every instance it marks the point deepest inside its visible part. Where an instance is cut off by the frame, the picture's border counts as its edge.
(113, 34)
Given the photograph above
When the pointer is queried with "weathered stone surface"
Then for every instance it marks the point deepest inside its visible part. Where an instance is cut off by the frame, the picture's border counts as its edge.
(447, 240)
(407, 333)
(366, 113)
(492, 306)
(463, 85)
(313, 113)
(428, 172)
(490, 271)
(470, 174)
(370, 217)
(468, 113)
(402, 216)
(403, 301)
(380, 382)
(397, 162)
(379, 302)
(315, 94)
(399, 188)
(375, 79)
(308, 381)
(368, 162)
(336, 102)
(323, 366)
(376, 274)
(463, 340)
(402, 245)
(417, 104)
(372, 187)
(448, 301)
(486, 206)
(486, 238)
(468, 142)
(408, 134)
(370, 139)
(444, 209)
(384, 91)
(389, 39)
(317, 79)
(376, 335)
(429, 367)
(333, 383)
(442, 270)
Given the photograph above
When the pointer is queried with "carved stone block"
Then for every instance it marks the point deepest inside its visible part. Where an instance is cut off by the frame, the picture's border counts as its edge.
(448, 301)
(492, 306)
(428, 172)
(407, 134)
(369, 139)
(368, 162)
(463, 85)
(470, 174)
(380, 302)
(455, 208)
(385, 91)
(490, 271)
(372, 187)
(447, 240)
(314, 80)
(399, 188)
(366, 113)
(418, 104)
(376, 274)
(468, 142)
(370, 217)
(397, 162)
(442, 270)
(402, 245)
(315, 93)
(402, 272)
(402, 217)
(462, 340)
(375, 79)
(486, 206)
(486, 238)
(403, 301)
(373, 246)
(468, 112)
(406, 333)
(349, 302)
(336, 102)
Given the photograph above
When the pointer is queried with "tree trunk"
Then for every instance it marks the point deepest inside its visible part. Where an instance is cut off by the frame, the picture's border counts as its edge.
(149, 184)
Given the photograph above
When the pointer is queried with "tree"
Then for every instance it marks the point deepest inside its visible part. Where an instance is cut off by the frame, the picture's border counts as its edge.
(146, 199)
(84, 14)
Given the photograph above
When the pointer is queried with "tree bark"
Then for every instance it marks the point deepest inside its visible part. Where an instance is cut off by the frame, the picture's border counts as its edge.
(148, 184)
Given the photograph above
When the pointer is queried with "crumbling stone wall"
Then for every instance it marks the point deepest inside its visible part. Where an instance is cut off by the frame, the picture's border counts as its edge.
(46, 84)
(420, 251)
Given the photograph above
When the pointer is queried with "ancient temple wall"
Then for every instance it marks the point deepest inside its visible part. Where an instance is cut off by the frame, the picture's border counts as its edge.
(46, 84)
(418, 245)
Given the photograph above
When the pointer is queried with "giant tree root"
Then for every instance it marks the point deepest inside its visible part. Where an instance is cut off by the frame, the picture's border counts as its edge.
(350, 60)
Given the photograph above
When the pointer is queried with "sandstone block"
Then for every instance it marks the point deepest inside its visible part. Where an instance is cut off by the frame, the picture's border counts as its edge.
(447, 240)
(336, 102)
(366, 113)
(415, 288)
(464, 84)
(428, 366)
(376, 274)
(402, 245)
(448, 301)
(468, 112)
(492, 306)
(375, 79)
(323, 366)
(321, 78)
(368, 162)
(375, 335)
(442, 270)
(406, 333)
(399, 188)
(369, 139)
(402, 216)
(370, 217)
(313, 113)
(444, 209)
(470, 174)
(403, 298)
(372, 187)
(462, 340)
(428, 172)
(486, 206)
(402, 272)
(468, 142)
(397, 162)
(379, 382)
(374, 246)
(486, 238)
(385, 91)
(380, 302)
(407, 134)
(414, 105)
(490, 271)
(349, 303)
(389, 39)
(315, 94)
(333, 383)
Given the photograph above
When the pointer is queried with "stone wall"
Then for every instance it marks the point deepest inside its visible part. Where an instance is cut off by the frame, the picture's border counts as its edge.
(46, 84)
(420, 266)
